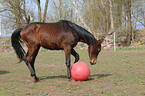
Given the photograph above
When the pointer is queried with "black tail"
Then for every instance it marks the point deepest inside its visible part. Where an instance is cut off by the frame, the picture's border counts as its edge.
(15, 40)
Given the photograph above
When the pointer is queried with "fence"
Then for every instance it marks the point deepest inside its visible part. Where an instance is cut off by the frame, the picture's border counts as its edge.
(5, 46)
(128, 48)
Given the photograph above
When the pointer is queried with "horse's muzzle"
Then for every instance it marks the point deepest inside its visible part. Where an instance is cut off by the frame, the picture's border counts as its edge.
(93, 62)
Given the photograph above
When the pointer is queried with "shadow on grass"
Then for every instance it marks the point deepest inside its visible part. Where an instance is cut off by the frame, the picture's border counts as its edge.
(100, 75)
(52, 77)
(64, 76)
(4, 72)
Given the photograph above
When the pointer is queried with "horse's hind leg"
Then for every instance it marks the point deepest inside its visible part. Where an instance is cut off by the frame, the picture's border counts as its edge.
(75, 54)
(32, 64)
(30, 59)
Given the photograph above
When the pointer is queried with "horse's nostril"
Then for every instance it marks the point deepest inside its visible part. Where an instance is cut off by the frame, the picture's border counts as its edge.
(92, 63)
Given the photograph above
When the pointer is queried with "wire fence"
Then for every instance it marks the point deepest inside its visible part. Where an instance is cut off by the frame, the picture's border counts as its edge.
(5, 46)
(126, 48)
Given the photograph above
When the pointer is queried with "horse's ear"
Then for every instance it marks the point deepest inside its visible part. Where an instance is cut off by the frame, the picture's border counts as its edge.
(100, 41)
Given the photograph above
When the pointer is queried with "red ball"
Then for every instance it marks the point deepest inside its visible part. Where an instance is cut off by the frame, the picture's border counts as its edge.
(80, 71)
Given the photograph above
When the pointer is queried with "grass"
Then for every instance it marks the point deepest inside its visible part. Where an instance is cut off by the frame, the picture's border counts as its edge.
(120, 73)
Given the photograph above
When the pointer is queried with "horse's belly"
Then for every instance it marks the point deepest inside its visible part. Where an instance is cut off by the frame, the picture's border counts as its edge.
(51, 45)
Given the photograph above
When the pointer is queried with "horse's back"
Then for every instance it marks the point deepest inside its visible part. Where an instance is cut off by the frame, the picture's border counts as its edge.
(49, 35)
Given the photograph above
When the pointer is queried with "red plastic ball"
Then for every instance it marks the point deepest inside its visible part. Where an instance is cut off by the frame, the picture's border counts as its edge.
(80, 71)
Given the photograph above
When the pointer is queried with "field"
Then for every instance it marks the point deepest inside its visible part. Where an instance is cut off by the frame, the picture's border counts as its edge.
(120, 73)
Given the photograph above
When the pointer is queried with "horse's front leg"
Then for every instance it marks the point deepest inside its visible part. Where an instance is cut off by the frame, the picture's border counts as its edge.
(68, 66)
(75, 54)
(68, 61)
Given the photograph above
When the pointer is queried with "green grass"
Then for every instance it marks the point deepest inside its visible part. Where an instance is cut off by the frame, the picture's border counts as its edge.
(120, 73)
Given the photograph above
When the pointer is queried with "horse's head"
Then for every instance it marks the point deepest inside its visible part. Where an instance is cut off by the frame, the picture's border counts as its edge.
(94, 51)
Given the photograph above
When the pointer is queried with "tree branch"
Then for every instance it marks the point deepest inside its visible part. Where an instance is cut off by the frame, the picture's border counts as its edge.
(82, 20)
(138, 20)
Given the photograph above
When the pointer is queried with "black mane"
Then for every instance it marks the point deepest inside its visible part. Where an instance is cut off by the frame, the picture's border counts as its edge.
(85, 35)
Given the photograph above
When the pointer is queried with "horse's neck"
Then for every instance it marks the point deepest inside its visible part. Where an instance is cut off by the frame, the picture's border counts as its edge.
(90, 40)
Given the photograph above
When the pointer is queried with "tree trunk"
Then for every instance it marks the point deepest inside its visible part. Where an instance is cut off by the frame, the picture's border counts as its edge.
(60, 9)
(39, 10)
(92, 16)
(129, 24)
(111, 18)
(118, 24)
(104, 17)
(45, 10)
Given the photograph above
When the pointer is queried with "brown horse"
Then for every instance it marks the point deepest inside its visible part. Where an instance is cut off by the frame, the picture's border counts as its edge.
(62, 35)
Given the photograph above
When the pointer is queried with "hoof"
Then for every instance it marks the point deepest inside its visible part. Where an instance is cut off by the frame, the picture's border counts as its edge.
(69, 77)
(35, 79)
(72, 80)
